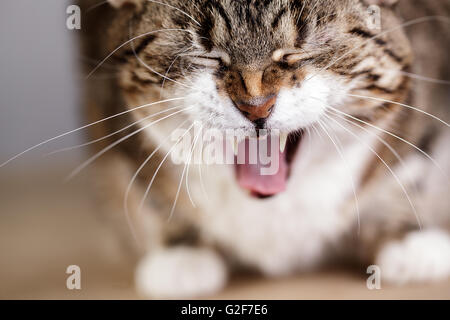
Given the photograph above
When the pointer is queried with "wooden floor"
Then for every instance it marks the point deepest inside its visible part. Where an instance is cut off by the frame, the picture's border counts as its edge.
(46, 226)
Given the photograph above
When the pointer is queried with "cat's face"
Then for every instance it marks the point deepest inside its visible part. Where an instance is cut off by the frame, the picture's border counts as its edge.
(280, 64)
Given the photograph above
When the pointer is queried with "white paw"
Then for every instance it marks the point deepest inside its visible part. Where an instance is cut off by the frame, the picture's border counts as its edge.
(180, 272)
(422, 256)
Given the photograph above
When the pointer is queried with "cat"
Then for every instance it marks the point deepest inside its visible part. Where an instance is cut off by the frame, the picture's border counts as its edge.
(363, 171)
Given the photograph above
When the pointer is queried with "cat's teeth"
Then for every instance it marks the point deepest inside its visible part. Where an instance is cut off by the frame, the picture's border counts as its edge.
(283, 141)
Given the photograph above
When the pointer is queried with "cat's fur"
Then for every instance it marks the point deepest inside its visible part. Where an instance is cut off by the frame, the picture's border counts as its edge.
(315, 220)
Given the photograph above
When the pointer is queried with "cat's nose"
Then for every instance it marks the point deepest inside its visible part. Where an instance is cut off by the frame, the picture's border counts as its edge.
(257, 109)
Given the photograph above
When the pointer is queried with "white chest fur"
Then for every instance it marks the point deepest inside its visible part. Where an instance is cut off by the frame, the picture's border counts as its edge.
(290, 231)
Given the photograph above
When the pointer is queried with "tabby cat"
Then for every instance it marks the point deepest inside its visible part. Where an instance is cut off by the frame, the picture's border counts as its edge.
(363, 133)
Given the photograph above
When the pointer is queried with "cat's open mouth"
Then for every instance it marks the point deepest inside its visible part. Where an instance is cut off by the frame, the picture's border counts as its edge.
(250, 174)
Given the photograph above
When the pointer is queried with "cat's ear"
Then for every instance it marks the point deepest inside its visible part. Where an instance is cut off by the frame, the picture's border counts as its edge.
(122, 3)
(383, 3)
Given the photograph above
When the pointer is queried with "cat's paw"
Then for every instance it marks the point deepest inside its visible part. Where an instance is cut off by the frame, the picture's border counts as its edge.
(422, 256)
(180, 272)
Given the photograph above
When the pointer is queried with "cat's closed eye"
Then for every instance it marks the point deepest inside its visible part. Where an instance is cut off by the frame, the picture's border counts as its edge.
(213, 59)
(208, 62)
(292, 56)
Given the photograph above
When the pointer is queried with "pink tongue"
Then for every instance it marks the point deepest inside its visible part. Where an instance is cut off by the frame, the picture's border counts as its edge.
(249, 175)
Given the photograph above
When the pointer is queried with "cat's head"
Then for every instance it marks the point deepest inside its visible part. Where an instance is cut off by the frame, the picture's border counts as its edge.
(263, 64)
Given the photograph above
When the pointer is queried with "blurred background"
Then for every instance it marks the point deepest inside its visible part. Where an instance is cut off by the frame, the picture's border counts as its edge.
(39, 97)
(47, 225)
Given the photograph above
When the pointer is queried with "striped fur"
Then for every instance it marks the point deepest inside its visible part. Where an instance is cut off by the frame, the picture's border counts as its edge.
(235, 50)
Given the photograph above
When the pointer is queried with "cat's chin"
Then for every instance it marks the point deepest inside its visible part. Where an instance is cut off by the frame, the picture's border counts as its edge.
(264, 180)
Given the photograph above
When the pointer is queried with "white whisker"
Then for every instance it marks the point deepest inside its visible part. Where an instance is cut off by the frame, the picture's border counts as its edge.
(384, 142)
(178, 9)
(168, 69)
(96, 5)
(97, 155)
(112, 134)
(181, 182)
(194, 143)
(87, 126)
(394, 152)
(392, 135)
(403, 25)
(141, 205)
(388, 167)
(133, 179)
(319, 134)
(399, 104)
(352, 181)
(423, 78)
(129, 41)
(151, 69)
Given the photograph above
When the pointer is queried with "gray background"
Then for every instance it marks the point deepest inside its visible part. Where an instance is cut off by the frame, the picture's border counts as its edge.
(39, 95)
